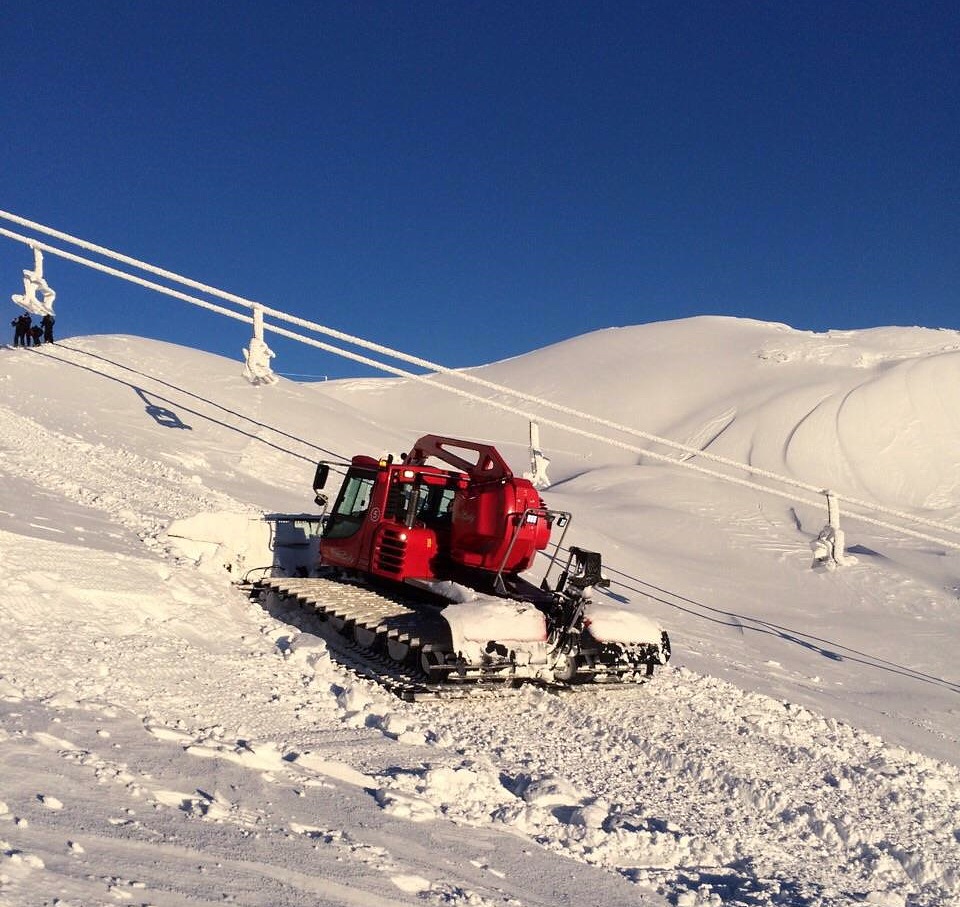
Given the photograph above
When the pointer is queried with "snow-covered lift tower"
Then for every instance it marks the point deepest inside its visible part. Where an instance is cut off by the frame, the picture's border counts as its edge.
(256, 364)
(829, 547)
(538, 462)
(34, 283)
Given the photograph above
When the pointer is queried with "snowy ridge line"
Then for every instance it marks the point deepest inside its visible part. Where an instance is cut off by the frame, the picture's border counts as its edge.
(455, 373)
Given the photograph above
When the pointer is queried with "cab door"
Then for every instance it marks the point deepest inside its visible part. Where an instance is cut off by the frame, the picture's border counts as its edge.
(343, 541)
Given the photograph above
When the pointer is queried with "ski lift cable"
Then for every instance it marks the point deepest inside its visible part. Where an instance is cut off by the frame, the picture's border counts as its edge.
(220, 310)
(436, 367)
(466, 377)
(132, 278)
(703, 470)
(426, 379)
(405, 357)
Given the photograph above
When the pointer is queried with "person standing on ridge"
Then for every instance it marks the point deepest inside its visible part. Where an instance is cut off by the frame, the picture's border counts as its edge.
(21, 334)
(47, 322)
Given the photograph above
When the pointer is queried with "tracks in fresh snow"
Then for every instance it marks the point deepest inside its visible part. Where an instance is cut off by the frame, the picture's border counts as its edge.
(712, 795)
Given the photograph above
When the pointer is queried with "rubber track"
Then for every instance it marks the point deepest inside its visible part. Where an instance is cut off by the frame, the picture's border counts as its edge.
(395, 619)
(390, 618)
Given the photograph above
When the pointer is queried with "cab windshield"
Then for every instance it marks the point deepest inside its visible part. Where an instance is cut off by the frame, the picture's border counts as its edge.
(351, 508)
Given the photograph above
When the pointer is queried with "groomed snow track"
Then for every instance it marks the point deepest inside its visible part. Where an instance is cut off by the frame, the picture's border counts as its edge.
(363, 627)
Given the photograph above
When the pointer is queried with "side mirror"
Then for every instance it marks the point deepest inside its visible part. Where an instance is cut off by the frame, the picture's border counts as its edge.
(319, 480)
(320, 476)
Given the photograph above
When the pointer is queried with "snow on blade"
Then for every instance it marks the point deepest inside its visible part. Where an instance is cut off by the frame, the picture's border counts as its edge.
(612, 623)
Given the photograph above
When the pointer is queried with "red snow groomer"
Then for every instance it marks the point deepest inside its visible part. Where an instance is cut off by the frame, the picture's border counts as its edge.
(451, 521)
(477, 522)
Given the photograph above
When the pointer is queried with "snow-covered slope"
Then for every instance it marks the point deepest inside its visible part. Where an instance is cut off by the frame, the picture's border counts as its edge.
(868, 412)
(164, 740)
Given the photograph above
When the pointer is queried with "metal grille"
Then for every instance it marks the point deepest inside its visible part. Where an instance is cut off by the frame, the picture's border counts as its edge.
(391, 552)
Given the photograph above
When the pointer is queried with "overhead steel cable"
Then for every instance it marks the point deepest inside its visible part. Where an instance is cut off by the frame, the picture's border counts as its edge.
(460, 375)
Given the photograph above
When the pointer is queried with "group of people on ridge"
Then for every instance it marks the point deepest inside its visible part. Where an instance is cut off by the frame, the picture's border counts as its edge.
(26, 333)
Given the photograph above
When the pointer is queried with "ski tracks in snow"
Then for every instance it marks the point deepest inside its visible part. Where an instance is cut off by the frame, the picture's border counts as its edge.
(141, 494)
(192, 818)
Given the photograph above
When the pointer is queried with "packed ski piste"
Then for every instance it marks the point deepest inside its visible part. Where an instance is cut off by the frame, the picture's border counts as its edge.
(181, 725)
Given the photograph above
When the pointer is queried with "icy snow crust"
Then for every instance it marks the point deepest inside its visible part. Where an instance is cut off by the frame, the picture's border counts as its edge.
(165, 740)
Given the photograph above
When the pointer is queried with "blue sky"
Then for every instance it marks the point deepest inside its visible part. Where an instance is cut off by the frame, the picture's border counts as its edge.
(468, 181)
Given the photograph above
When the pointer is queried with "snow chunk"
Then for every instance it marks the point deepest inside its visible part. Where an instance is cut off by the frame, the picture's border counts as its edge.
(406, 806)
(172, 798)
(468, 792)
(548, 790)
(260, 756)
(234, 542)
(9, 692)
(18, 858)
(315, 762)
(411, 884)
(354, 699)
(50, 802)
